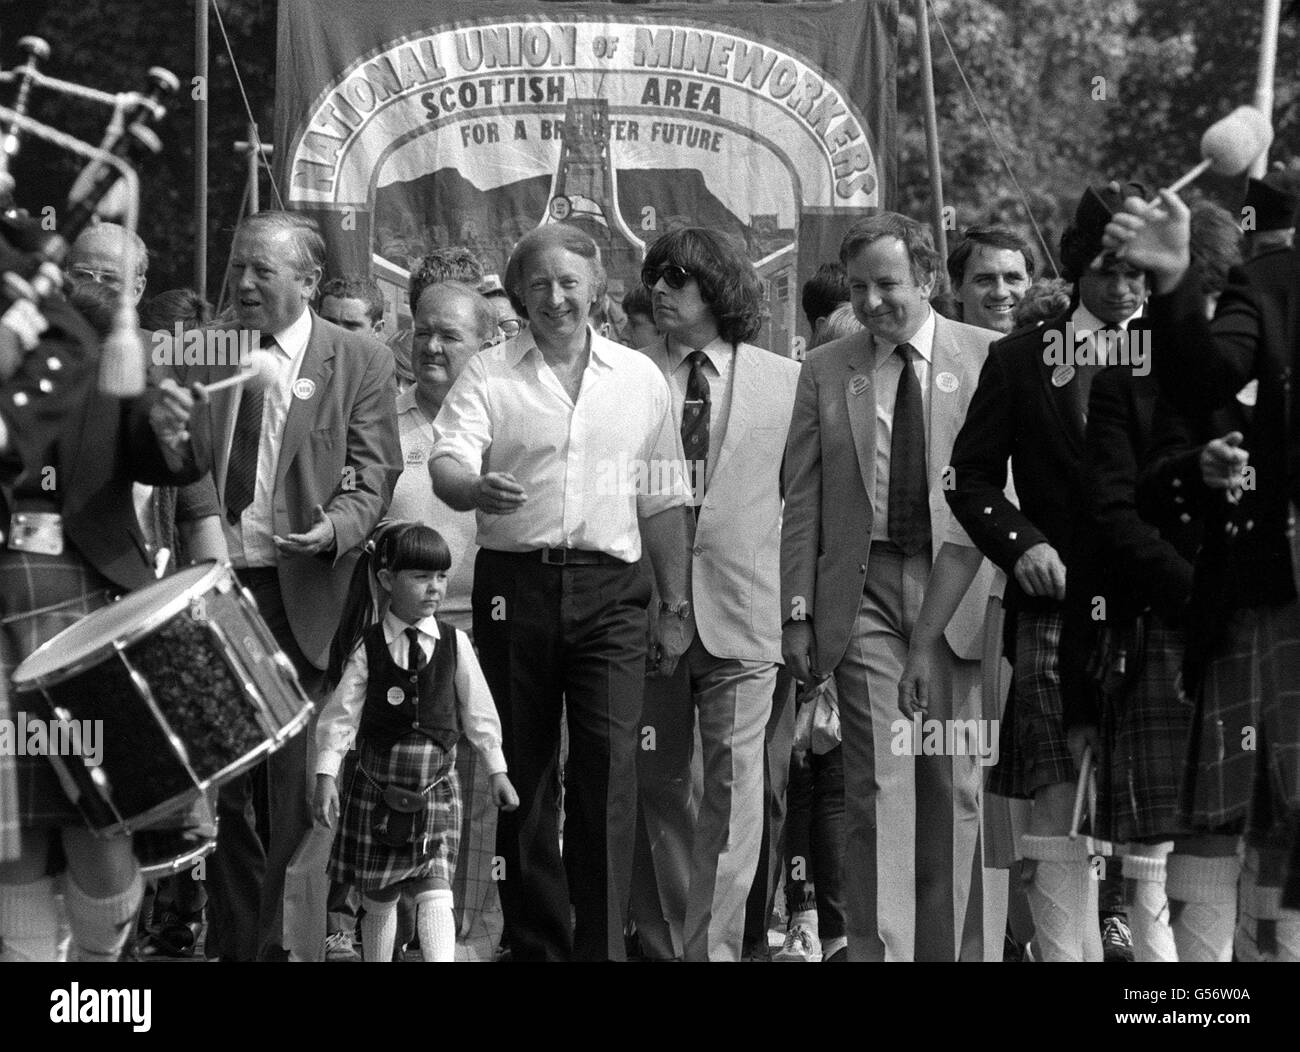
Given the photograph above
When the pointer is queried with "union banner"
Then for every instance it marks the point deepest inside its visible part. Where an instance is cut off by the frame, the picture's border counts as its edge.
(407, 125)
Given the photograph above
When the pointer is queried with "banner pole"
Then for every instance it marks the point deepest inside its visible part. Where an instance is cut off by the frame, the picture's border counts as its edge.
(931, 130)
(1264, 75)
(201, 148)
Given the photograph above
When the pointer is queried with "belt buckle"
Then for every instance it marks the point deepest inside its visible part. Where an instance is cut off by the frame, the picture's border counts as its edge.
(548, 556)
(39, 532)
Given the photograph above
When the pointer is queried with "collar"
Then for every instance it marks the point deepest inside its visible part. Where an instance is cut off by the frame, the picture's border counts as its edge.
(602, 350)
(922, 340)
(406, 401)
(291, 341)
(394, 627)
(1086, 323)
(715, 351)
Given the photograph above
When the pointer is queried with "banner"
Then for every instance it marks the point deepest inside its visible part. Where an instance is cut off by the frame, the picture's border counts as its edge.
(406, 125)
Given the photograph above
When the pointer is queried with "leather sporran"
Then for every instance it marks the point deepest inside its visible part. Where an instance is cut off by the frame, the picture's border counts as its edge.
(401, 817)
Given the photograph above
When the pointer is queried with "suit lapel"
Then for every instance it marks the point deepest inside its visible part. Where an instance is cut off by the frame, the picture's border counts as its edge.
(1061, 399)
(946, 360)
(746, 390)
(317, 367)
(860, 396)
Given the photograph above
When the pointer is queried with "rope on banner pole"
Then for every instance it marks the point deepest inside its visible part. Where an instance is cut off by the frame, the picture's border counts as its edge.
(994, 139)
(254, 137)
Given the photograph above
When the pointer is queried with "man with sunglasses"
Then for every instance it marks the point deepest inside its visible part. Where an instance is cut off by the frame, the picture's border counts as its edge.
(732, 402)
(96, 256)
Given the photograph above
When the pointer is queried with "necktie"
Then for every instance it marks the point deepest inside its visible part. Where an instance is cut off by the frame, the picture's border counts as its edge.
(1088, 373)
(909, 504)
(241, 468)
(414, 657)
(695, 426)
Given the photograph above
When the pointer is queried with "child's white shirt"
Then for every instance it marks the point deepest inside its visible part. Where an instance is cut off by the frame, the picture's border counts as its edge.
(337, 728)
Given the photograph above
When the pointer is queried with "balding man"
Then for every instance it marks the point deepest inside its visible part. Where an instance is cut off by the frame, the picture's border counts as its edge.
(96, 255)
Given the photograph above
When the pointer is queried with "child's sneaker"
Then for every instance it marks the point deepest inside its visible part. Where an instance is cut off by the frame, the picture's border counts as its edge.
(338, 947)
(800, 946)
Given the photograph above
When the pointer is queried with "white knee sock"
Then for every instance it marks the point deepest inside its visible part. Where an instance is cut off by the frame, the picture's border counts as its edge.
(1059, 895)
(1148, 909)
(378, 930)
(436, 924)
(100, 926)
(1203, 905)
(29, 922)
(1093, 951)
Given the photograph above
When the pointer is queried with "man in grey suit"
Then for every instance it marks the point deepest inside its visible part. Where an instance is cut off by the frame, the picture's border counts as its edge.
(866, 464)
(732, 402)
(304, 469)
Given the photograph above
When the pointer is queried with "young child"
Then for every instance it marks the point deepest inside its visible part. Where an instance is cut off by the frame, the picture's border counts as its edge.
(410, 682)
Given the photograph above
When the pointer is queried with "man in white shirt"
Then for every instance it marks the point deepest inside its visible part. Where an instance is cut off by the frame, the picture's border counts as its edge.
(732, 402)
(565, 444)
(865, 471)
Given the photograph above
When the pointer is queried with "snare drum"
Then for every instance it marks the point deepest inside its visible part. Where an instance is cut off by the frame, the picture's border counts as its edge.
(189, 684)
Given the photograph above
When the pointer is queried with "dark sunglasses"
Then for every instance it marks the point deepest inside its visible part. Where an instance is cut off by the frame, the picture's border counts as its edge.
(675, 277)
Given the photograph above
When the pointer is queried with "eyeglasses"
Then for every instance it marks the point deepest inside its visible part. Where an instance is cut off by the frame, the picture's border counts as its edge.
(82, 273)
(675, 277)
(511, 326)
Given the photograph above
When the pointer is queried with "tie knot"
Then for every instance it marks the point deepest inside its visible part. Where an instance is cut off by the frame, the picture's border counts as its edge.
(413, 634)
(905, 351)
(266, 342)
(697, 359)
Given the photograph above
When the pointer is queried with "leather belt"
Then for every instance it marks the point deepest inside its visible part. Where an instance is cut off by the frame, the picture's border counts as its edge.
(573, 557)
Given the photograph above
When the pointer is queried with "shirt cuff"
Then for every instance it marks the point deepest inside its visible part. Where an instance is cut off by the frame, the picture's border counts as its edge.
(495, 759)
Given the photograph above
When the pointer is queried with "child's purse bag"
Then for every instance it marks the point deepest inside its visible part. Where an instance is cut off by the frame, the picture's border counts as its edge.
(401, 816)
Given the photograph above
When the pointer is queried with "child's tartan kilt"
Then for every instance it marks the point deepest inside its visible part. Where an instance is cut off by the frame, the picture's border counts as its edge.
(413, 763)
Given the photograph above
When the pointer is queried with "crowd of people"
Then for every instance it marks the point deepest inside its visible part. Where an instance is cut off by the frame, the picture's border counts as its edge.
(617, 624)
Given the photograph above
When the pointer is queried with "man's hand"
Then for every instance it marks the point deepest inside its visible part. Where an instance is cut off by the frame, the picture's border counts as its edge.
(1078, 739)
(169, 416)
(1153, 237)
(503, 793)
(1040, 572)
(497, 493)
(914, 686)
(796, 650)
(320, 538)
(1223, 464)
(670, 636)
(325, 808)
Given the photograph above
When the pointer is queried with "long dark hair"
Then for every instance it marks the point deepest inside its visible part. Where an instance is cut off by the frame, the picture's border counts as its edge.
(393, 545)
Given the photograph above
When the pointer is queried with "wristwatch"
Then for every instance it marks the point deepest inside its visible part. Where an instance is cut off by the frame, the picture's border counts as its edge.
(681, 610)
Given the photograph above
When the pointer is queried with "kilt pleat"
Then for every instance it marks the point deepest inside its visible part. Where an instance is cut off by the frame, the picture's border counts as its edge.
(1033, 751)
(28, 582)
(1142, 740)
(413, 763)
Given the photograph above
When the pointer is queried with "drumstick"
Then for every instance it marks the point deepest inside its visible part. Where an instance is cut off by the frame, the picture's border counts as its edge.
(1085, 773)
(260, 373)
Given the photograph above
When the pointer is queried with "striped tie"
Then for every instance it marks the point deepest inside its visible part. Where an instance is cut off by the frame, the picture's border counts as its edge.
(241, 468)
(695, 426)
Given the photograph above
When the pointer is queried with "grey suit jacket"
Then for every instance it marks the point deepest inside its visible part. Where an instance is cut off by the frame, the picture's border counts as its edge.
(340, 449)
(830, 477)
(735, 562)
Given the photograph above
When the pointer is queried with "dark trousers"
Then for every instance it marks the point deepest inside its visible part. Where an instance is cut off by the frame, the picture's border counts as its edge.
(246, 873)
(573, 635)
(814, 847)
(778, 740)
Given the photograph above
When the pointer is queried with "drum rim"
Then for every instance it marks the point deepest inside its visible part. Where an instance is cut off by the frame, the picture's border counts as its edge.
(150, 624)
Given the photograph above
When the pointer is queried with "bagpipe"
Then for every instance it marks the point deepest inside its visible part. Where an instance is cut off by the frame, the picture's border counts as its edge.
(34, 252)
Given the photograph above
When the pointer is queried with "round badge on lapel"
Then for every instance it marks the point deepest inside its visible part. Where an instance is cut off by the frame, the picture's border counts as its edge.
(858, 384)
(1062, 375)
(396, 695)
(304, 388)
(946, 382)
(416, 456)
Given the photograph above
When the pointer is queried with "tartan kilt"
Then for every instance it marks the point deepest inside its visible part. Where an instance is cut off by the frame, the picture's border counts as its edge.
(1032, 748)
(413, 763)
(30, 582)
(1142, 744)
(1244, 753)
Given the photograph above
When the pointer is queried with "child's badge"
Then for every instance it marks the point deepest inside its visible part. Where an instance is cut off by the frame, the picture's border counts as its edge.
(416, 456)
(304, 388)
(858, 384)
(946, 382)
(396, 695)
(1062, 375)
